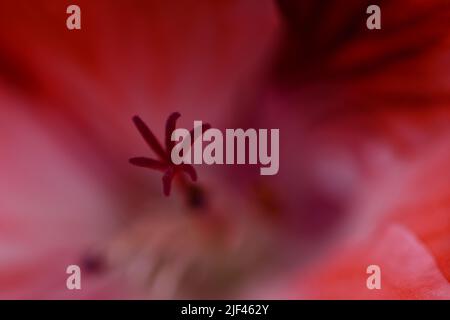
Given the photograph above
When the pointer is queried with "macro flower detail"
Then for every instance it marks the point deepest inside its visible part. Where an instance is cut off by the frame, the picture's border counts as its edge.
(164, 163)
(364, 151)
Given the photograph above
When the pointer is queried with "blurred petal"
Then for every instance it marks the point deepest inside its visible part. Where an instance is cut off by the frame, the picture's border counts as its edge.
(408, 271)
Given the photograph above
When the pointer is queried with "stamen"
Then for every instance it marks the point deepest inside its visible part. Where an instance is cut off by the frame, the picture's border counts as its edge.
(205, 126)
(170, 127)
(189, 170)
(148, 163)
(165, 163)
(149, 137)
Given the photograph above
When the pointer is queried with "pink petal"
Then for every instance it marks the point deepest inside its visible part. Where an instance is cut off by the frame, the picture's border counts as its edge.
(408, 270)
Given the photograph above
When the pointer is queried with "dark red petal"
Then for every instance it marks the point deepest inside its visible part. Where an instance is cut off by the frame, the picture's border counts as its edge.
(205, 126)
(149, 137)
(148, 163)
(189, 170)
(170, 127)
(167, 181)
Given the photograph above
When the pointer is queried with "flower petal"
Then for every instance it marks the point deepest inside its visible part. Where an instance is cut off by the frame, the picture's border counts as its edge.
(408, 270)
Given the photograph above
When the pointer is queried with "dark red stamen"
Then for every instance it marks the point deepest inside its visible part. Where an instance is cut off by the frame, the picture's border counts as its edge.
(165, 163)
(149, 137)
(148, 163)
(170, 127)
(205, 127)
